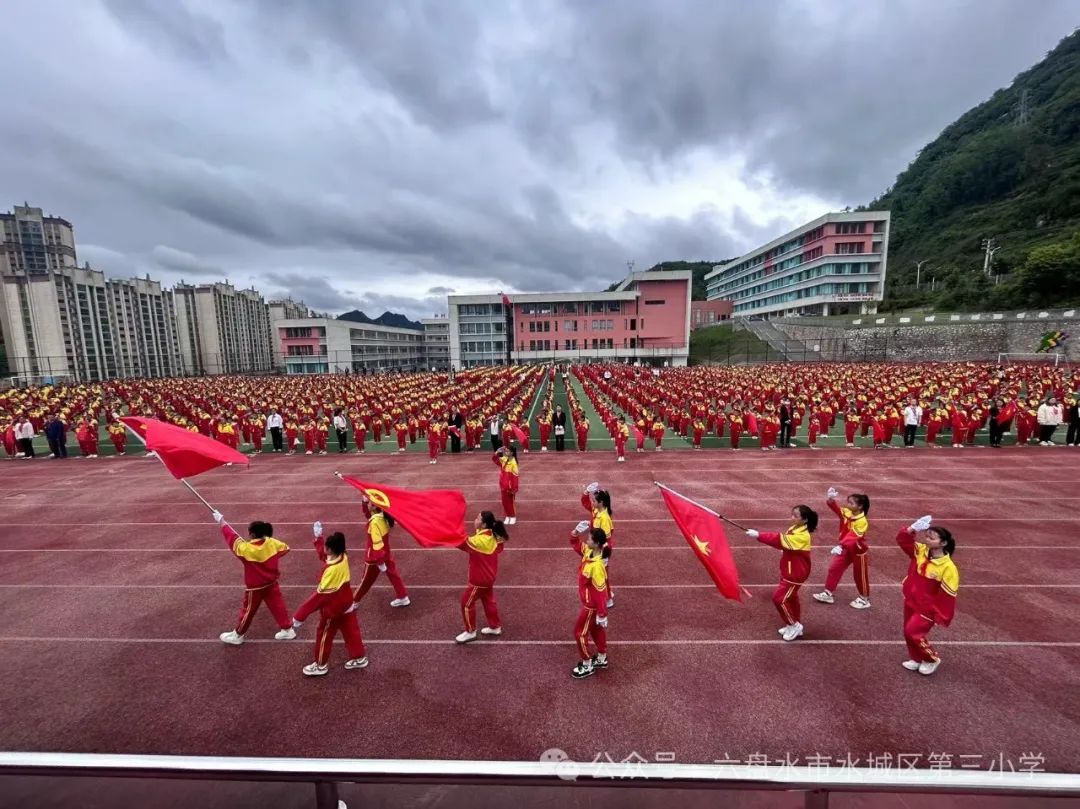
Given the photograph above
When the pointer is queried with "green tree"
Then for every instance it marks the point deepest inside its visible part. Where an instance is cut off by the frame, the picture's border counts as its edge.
(1051, 274)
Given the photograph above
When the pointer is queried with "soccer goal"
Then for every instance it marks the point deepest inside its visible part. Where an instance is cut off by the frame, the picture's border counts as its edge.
(1049, 358)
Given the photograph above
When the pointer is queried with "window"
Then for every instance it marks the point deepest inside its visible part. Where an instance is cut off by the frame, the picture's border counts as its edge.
(844, 228)
(655, 303)
(532, 345)
(569, 325)
(633, 324)
(614, 306)
(847, 248)
(567, 345)
(532, 326)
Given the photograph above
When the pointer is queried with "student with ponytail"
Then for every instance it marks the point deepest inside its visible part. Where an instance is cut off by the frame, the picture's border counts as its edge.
(592, 621)
(378, 557)
(794, 544)
(597, 502)
(930, 589)
(483, 547)
(509, 479)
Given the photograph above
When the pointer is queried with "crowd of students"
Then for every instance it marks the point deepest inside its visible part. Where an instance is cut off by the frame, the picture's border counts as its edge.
(778, 406)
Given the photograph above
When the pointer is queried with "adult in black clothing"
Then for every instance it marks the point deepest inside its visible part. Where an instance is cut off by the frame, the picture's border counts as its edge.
(558, 424)
(56, 435)
(996, 430)
(1072, 416)
(458, 421)
(785, 422)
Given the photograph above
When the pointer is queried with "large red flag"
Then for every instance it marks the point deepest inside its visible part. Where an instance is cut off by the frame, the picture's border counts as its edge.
(1006, 414)
(434, 517)
(751, 424)
(184, 453)
(705, 534)
(506, 301)
(519, 434)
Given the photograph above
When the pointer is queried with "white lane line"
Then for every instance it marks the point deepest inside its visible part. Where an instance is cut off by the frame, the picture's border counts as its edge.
(510, 642)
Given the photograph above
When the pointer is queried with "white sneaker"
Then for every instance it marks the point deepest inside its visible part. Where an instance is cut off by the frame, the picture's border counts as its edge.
(488, 630)
(315, 670)
(356, 663)
(231, 638)
(285, 634)
(911, 665)
(793, 631)
(465, 637)
(782, 629)
(400, 602)
(926, 669)
(825, 597)
(621, 460)
(861, 603)
(543, 449)
(610, 603)
(432, 461)
(309, 452)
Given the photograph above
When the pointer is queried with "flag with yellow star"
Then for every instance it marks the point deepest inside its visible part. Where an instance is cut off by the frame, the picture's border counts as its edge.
(705, 534)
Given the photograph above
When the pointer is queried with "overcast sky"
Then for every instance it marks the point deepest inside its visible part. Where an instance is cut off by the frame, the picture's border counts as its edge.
(380, 154)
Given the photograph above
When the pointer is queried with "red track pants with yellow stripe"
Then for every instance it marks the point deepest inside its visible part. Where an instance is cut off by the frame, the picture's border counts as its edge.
(349, 628)
(786, 600)
(486, 596)
(585, 627)
(271, 594)
(916, 628)
(859, 558)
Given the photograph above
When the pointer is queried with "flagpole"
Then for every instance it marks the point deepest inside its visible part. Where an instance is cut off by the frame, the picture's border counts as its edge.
(699, 505)
(182, 480)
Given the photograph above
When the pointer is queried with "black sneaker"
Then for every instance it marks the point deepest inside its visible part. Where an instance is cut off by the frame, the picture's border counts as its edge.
(597, 663)
(583, 670)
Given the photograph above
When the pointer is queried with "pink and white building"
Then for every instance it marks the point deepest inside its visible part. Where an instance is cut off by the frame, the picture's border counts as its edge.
(646, 319)
(833, 265)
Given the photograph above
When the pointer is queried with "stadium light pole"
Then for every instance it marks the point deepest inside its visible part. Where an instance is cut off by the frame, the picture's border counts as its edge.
(918, 271)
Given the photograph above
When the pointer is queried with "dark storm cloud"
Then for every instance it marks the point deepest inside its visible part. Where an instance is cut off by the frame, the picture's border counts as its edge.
(369, 154)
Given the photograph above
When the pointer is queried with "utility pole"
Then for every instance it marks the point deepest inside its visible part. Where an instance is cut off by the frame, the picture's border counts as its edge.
(933, 283)
(918, 271)
(630, 266)
(990, 246)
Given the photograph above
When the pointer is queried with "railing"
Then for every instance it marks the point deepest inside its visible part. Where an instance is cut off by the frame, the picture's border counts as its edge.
(816, 784)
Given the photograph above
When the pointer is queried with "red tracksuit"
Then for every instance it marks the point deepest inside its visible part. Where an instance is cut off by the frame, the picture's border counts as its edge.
(332, 598)
(378, 553)
(508, 483)
(261, 558)
(853, 541)
(930, 589)
(622, 435)
(592, 590)
(483, 550)
(794, 569)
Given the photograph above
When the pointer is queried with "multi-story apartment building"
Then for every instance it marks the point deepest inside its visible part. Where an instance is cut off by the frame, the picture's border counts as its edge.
(223, 330)
(436, 343)
(833, 265)
(143, 321)
(319, 345)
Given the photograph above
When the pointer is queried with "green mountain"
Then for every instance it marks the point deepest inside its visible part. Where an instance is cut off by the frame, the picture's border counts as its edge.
(1007, 170)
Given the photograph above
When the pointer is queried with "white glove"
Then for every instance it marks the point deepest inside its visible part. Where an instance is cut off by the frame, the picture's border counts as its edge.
(581, 527)
(602, 622)
(752, 534)
(297, 624)
(219, 518)
(921, 524)
(316, 529)
(837, 551)
(592, 488)
(832, 494)
(364, 498)
(352, 608)
(382, 568)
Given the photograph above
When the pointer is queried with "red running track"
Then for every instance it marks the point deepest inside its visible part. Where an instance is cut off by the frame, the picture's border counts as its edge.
(114, 585)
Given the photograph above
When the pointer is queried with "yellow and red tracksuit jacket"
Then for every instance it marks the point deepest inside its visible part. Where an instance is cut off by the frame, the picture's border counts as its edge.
(794, 545)
(508, 473)
(599, 518)
(853, 527)
(261, 557)
(333, 595)
(483, 549)
(931, 585)
(592, 578)
(378, 537)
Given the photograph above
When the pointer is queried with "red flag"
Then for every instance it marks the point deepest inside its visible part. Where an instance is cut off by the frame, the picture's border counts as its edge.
(434, 517)
(1007, 413)
(519, 434)
(705, 534)
(184, 453)
(751, 424)
(506, 302)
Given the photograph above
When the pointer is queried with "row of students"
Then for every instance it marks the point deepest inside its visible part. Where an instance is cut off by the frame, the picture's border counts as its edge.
(930, 587)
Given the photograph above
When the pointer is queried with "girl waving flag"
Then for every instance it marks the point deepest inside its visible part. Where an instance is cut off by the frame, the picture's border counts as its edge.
(794, 545)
